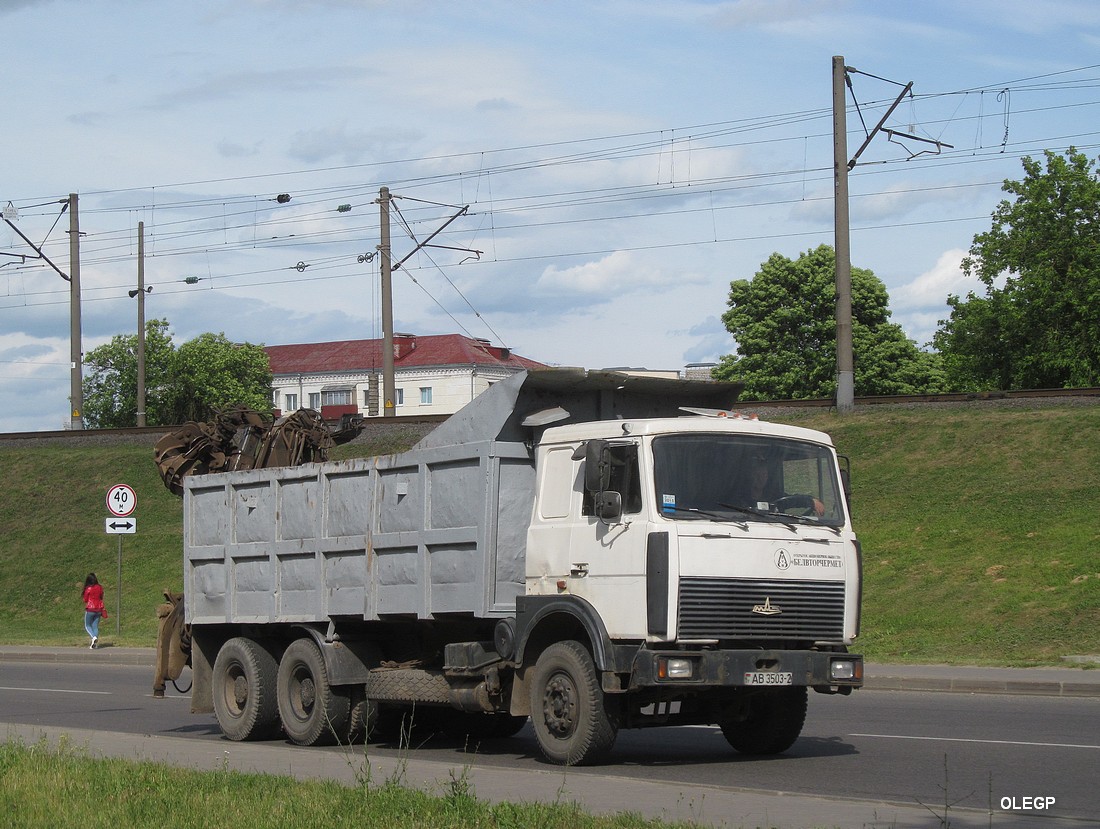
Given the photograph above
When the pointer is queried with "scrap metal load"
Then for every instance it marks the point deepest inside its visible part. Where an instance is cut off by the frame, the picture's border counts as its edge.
(242, 438)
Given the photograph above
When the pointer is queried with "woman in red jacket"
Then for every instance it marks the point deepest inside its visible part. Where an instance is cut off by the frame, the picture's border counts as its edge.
(93, 607)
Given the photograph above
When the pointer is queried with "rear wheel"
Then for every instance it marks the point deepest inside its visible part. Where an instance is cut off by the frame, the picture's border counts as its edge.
(769, 721)
(244, 691)
(313, 711)
(569, 711)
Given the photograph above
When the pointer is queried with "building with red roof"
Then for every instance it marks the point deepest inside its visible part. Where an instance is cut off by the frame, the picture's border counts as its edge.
(436, 374)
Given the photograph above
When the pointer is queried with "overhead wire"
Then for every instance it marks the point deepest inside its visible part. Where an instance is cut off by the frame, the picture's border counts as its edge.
(189, 235)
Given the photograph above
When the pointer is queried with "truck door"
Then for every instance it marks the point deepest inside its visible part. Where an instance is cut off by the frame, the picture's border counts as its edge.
(607, 557)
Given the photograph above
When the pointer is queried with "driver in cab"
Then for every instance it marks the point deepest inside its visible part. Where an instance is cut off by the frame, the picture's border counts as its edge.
(759, 493)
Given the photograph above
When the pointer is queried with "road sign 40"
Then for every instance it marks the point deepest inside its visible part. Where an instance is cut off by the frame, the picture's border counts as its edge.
(121, 500)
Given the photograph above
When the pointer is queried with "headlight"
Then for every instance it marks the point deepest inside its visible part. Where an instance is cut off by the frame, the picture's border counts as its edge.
(672, 668)
(845, 669)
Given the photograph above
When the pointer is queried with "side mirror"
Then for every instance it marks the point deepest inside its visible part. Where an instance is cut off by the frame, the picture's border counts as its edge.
(597, 466)
(609, 506)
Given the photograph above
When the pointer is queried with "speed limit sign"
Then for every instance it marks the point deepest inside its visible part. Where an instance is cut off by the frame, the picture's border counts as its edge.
(121, 500)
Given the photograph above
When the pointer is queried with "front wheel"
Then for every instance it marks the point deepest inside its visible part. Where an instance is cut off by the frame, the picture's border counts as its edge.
(244, 690)
(312, 710)
(569, 711)
(768, 722)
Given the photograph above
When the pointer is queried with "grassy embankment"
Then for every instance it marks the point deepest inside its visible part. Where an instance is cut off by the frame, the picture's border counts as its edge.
(46, 787)
(980, 537)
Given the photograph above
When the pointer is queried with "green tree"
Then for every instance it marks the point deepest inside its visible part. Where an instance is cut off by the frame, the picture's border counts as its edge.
(784, 322)
(188, 383)
(110, 381)
(1038, 324)
(211, 372)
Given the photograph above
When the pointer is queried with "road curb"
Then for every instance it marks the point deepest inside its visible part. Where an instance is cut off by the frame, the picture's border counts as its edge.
(982, 686)
(106, 655)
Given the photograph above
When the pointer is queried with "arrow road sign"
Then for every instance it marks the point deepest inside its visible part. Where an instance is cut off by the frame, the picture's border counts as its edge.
(121, 526)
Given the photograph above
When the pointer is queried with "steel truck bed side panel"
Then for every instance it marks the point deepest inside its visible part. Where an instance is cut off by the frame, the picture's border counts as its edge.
(427, 532)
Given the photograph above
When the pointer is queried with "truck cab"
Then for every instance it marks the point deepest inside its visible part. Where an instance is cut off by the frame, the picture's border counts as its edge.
(691, 513)
(716, 553)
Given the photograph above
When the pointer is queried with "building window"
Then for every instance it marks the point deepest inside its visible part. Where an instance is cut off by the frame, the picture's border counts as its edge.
(399, 395)
(292, 402)
(315, 400)
(338, 397)
(425, 395)
(274, 398)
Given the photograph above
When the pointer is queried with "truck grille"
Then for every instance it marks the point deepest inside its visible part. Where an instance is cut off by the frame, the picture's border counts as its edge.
(723, 609)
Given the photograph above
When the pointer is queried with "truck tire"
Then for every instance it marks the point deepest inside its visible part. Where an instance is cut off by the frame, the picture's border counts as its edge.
(243, 685)
(313, 711)
(770, 723)
(569, 711)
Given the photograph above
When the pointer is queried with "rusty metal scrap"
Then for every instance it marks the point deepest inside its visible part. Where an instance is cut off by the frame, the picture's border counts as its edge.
(242, 438)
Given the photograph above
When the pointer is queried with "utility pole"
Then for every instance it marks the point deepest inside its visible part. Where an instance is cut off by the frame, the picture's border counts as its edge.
(388, 385)
(389, 392)
(76, 353)
(141, 326)
(845, 375)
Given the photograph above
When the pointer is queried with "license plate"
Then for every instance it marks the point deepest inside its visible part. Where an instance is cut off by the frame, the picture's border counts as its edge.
(769, 678)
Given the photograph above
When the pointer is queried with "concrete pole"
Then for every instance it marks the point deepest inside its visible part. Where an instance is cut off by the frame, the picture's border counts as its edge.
(845, 375)
(389, 392)
(76, 351)
(141, 326)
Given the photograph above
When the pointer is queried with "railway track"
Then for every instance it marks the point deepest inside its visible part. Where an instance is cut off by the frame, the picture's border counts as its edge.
(822, 403)
(953, 397)
(154, 432)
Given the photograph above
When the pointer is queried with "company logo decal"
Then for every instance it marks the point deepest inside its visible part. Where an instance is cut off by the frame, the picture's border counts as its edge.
(766, 609)
(785, 560)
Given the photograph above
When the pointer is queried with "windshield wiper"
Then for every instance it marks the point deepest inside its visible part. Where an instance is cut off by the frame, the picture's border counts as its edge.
(784, 518)
(780, 517)
(814, 521)
(702, 513)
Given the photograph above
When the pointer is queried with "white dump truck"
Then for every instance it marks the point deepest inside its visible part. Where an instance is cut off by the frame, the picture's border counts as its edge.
(590, 550)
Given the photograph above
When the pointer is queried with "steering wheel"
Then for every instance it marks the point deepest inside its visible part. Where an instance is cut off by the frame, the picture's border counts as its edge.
(807, 505)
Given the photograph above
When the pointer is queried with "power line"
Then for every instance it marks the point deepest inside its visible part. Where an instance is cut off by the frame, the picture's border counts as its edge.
(186, 227)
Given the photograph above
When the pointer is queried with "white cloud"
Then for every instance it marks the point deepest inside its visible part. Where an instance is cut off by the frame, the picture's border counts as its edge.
(918, 306)
(933, 286)
(605, 278)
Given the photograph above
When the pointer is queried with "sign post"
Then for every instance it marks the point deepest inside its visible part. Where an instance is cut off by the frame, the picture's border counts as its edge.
(121, 503)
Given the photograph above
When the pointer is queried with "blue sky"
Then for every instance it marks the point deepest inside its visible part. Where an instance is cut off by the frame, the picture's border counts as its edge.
(621, 162)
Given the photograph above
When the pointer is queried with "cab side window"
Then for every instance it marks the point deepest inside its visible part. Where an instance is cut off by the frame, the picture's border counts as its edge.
(625, 479)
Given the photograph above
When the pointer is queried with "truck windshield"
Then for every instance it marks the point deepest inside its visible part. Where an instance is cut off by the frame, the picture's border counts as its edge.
(746, 478)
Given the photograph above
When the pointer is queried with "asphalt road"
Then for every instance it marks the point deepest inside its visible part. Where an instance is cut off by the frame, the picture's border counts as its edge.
(872, 759)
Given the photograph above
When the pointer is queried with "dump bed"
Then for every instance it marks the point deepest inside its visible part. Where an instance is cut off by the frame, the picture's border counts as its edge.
(438, 530)
(422, 533)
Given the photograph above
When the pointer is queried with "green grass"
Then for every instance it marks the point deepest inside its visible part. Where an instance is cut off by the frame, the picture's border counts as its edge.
(979, 526)
(64, 786)
(979, 531)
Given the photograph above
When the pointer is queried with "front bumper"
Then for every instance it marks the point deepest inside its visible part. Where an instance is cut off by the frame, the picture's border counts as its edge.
(822, 670)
